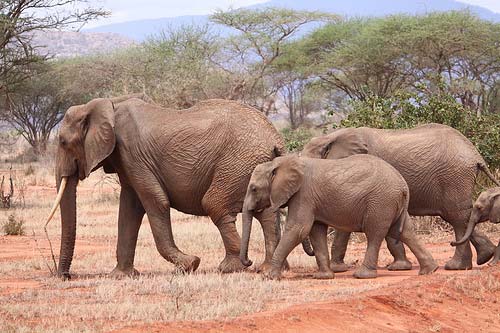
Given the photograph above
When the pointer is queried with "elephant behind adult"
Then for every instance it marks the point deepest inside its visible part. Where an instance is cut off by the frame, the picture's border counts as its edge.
(486, 208)
(440, 166)
(198, 161)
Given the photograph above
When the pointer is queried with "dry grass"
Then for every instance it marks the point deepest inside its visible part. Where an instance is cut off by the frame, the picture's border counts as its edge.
(94, 302)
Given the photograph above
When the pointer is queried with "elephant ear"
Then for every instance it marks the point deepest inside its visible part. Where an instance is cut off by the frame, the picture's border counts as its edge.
(100, 134)
(318, 147)
(286, 178)
(346, 142)
(495, 208)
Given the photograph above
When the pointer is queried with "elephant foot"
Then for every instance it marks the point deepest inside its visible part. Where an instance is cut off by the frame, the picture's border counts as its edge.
(64, 276)
(286, 266)
(496, 258)
(365, 273)
(339, 267)
(484, 248)
(231, 264)
(189, 265)
(428, 269)
(400, 265)
(324, 275)
(119, 274)
(484, 255)
(457, 265)
(272, 274)
(264, 268)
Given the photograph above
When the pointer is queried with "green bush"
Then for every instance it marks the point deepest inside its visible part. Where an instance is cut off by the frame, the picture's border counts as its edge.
(407, 110)
(13, 226)
(295, 139)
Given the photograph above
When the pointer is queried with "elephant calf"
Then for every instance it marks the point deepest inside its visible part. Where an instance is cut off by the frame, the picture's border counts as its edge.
(358, 193)
(486, 207)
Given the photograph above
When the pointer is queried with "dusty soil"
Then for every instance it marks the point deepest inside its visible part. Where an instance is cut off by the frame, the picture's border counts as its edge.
(396, 301)
(444, 302)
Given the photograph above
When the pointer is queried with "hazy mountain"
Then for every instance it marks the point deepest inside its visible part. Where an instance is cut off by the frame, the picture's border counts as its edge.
(69, 44)
(140, 29)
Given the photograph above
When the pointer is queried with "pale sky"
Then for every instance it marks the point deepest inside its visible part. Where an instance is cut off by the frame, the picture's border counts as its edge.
(129, 10)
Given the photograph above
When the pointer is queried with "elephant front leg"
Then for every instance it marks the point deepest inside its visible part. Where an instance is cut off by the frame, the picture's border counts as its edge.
(297, 228)
(496, 257)
(232, 241)
(130, 217)
(320, 246)
(272, 234)
(484, 247)
(157, 208)
(339, 248)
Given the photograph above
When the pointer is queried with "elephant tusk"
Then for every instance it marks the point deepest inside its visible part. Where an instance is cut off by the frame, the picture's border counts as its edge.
(64, 181)
(58, 200)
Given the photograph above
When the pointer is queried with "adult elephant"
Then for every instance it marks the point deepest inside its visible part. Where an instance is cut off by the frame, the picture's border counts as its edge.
(198, 161)
(440, 166)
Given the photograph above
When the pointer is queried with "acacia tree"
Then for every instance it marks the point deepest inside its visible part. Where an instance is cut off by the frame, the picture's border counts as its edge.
(32, 107)
(451, 52)
(19, 19)
(38, 106)
(259, 40)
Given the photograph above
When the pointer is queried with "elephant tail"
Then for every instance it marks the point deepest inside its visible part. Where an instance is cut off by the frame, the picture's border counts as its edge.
(484, 168)
(397, 228)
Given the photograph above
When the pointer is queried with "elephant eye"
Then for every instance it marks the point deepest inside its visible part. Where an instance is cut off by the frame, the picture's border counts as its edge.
(63, 142)
(253, 188)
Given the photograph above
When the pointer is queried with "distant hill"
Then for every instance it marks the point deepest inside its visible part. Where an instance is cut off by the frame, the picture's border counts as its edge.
(64, 44)
(141, 29)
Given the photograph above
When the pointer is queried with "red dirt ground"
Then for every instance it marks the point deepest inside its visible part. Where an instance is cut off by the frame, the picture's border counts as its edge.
(444, 302)
(420, 304)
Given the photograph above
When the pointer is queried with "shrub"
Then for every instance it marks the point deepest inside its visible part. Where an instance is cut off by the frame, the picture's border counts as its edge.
(13, 226)
(295, 139)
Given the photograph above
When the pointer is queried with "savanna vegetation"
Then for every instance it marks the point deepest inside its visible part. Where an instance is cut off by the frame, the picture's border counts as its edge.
(318, 69)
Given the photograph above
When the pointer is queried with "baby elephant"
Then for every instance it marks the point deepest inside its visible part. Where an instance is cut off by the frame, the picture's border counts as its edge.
(486, 207)
(357, 193)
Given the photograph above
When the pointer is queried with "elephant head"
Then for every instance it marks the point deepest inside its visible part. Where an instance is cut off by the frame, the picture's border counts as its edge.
(338, 144)
(486, 207)
(272, 185)
(86, 138)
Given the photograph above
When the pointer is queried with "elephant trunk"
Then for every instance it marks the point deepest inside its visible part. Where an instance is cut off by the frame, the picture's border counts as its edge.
(306, 245)
(473, 220)
(68, 226)
(245, 239)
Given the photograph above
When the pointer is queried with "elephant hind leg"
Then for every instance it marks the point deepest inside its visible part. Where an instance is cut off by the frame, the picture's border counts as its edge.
(424, 257)
(397, 250)
(368, 269)
(339, 248)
